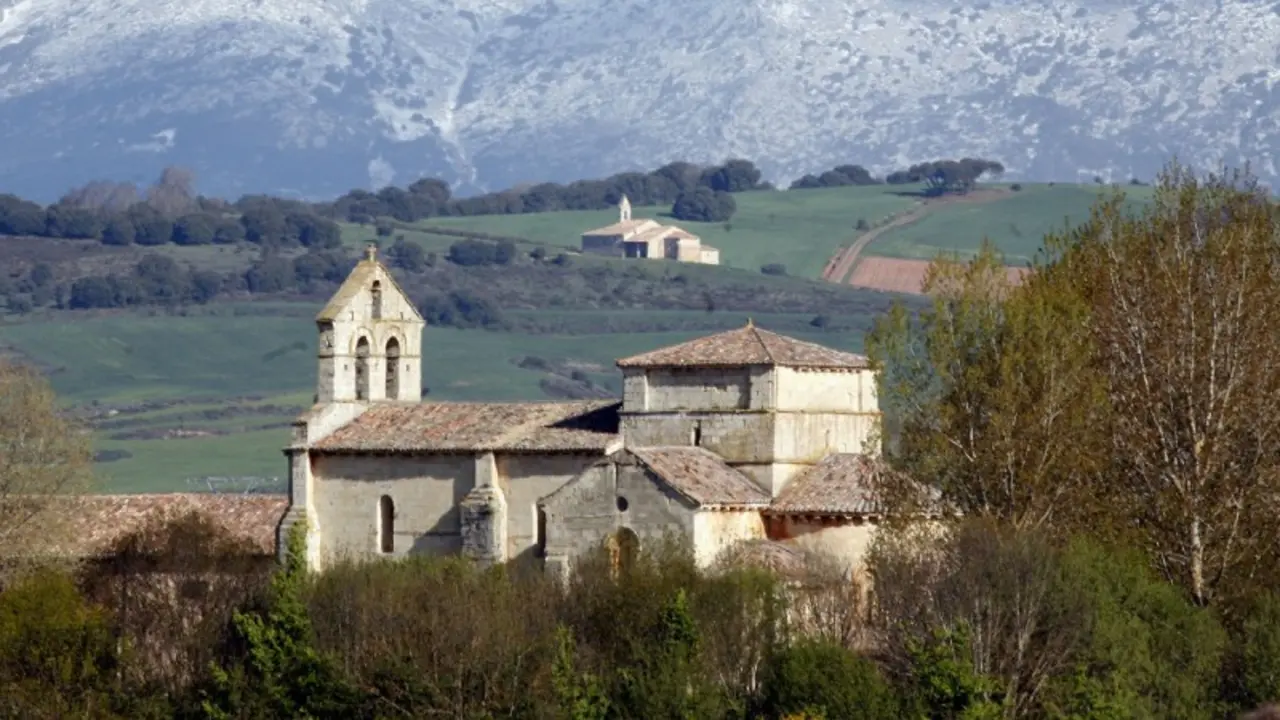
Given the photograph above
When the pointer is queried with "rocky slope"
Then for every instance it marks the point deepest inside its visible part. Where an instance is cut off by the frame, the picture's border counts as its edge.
(313, 97)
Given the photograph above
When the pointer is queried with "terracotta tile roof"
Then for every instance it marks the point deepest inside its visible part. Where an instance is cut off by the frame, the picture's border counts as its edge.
(623, 227)
(474, 427)
(748, 345)
(100, 521)
(361, 276)
(842, 484)
(701, 476)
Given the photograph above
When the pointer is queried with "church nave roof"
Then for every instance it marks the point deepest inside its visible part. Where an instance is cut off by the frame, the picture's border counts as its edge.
(588, 426)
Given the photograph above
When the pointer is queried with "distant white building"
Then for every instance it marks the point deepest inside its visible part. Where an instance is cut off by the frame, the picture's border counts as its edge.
(647, 238)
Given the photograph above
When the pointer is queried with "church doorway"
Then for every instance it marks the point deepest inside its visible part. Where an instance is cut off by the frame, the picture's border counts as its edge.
(362, 369)
(393, 369)
(623, 548)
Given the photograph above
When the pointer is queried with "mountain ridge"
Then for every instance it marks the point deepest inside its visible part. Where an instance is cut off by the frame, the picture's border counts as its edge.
(313, 97)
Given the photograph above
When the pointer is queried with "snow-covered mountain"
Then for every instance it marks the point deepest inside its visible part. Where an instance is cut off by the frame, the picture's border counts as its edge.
(314, 97)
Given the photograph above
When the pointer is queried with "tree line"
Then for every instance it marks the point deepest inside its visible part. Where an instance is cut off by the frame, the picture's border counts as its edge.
(171, 211)
(939, 176)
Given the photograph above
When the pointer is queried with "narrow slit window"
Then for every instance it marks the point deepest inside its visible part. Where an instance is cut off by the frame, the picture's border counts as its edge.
(386, 524)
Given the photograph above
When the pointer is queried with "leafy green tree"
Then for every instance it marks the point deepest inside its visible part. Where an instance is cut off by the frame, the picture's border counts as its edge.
(20, 217)
(276, 670)
(1148, 653)
(264, 224)
(119, 231)
(991, 395)
(58, 654)
(822, 678)
(228, 232)
(407, 256)
(704, 205)
(944, 685)
(579, 695)
(1183, 308)
(194, 229)
(150, 227)
(67, 221)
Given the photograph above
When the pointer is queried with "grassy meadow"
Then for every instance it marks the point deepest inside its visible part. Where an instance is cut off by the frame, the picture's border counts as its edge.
(800, 229)
(1016, 223)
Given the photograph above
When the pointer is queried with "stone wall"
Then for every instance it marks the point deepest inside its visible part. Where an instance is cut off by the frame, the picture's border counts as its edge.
(677, 389)
(426, 492)
(525, 480)
(612, 494)
(808, 437)
(844, 540)
(714, 532)
(813, 390)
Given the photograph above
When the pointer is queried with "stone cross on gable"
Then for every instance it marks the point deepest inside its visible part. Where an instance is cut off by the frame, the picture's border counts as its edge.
(371, 251)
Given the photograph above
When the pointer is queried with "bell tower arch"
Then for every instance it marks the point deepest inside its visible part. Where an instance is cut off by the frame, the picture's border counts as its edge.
(370, 339)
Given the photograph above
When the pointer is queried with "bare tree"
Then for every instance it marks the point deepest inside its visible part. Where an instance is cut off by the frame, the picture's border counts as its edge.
(1185, 314)
(102, 195)
(43, 455)
(174, 193)
(1000, 584)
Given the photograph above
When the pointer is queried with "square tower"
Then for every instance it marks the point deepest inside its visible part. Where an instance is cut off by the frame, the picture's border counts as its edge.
(767, 404)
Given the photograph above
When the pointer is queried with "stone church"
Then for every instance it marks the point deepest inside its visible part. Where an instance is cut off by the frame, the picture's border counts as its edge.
(741, 439)
(644, 238)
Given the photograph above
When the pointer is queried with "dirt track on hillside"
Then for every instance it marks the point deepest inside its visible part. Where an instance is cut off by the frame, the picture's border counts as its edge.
(839, 266)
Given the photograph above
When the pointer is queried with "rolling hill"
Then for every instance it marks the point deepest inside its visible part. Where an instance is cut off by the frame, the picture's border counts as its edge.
(182, 393)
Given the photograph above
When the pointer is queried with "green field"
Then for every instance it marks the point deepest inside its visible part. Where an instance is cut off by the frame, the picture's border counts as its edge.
(164, 372)
(209, 391)
(800, 229)
(1016, 224)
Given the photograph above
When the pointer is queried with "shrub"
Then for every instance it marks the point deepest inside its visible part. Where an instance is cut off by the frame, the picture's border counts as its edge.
(823, 679)
(774, 269)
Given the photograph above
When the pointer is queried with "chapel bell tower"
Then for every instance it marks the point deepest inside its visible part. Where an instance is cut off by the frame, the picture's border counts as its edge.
(370, 344)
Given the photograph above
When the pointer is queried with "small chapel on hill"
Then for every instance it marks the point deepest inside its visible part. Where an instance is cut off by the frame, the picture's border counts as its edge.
(744, 440)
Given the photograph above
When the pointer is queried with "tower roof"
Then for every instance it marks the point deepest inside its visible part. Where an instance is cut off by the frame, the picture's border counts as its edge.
(748, 345)
(368, 270)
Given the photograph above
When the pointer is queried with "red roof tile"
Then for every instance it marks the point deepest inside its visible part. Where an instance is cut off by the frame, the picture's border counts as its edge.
(476, 427)
(100, 521)
(701, 476)
(748, 345)
(842, 484)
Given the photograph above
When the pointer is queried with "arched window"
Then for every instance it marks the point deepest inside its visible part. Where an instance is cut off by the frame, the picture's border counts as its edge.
(540, 540)
(362, 369)
(393, 369)
(377, 299)
(386, 524)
